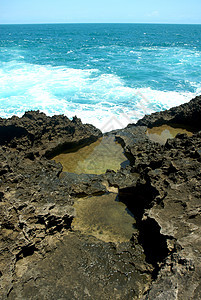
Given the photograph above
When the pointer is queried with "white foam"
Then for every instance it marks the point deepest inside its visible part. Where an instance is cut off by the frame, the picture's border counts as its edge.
(101, 99)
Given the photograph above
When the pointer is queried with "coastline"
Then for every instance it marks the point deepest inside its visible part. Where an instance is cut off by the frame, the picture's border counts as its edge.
(99, 73)
(161, 187)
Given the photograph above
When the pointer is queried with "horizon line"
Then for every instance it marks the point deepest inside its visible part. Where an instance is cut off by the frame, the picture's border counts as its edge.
(54, 23)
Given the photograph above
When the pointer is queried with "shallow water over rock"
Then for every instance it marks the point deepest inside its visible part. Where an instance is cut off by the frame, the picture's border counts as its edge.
(162, 133)
(104, 217)
(95, 158)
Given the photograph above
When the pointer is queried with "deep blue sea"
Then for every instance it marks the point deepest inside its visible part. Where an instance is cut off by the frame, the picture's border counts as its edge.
(106, 74)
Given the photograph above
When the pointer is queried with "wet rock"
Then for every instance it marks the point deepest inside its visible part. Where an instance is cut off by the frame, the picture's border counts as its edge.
(187, 114)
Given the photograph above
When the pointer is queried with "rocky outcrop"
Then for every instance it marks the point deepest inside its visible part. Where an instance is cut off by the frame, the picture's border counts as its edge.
(43, 257)
(166, 201)
(166, 204)
(187, 114)
(46, 258)
(40, 135)
(34, 206)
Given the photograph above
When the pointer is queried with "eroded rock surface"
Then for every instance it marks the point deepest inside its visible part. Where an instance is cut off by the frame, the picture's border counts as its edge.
(167, 209)
(166, 201)
(43, 258)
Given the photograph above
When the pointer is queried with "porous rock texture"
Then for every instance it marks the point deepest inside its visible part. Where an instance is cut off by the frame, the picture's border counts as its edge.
(42, 257)
(167, 206)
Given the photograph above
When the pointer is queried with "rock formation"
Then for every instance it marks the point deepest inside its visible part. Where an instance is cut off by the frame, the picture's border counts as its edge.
(42, 257)
(187, 114)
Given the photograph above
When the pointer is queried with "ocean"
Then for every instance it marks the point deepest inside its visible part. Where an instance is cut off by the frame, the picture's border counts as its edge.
(108, 75)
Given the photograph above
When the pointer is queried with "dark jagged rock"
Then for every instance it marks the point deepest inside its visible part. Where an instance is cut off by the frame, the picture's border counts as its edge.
(36, 199)
(42, 257)
(45, 257)
(83, 185)
(39, 134)
(166, 205)
(187, 114)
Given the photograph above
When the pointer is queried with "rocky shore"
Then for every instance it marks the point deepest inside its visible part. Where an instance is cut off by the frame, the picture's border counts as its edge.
(43, 257)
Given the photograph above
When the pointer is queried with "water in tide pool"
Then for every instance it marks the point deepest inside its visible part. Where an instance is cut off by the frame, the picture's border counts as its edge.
(106, 74)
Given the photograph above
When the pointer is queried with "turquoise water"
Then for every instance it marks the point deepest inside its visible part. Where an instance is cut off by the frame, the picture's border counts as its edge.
(106, 74)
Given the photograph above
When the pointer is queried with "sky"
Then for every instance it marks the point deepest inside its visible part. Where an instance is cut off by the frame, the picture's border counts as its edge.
(102, 11)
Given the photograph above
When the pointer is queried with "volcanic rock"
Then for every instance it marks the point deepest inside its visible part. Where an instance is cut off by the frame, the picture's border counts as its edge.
(43, 257)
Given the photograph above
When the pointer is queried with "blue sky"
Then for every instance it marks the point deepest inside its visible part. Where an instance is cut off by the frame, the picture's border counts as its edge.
(103, 11)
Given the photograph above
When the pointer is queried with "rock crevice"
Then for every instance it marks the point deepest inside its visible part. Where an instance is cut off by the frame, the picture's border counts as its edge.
(161, 187)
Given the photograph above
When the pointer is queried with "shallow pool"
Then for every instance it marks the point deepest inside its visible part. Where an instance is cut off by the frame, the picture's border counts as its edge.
(95, 158)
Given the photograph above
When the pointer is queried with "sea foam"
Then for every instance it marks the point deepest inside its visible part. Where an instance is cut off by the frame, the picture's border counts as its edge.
(106, 74)
(101, 99)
